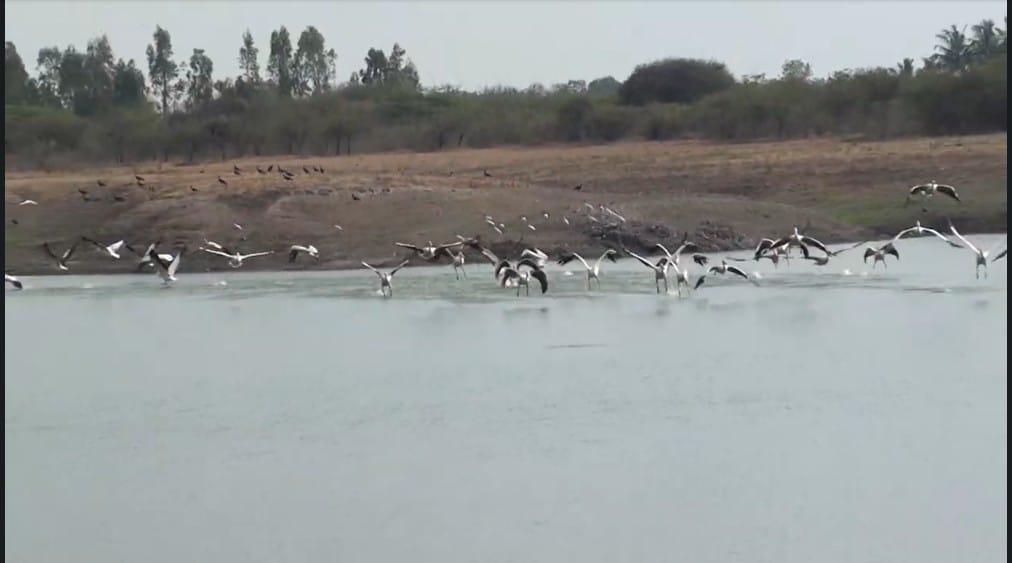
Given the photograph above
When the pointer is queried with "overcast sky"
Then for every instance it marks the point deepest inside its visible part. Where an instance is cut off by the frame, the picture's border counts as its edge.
(515, 43)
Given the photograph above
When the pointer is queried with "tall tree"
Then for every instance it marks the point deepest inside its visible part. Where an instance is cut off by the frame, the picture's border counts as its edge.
(796, 69)
(128, 84)
(905, 68)
(199, 83)
(15, 75)
(248, 62)
(953, 50)
(314, 63)
(375, 67)
(986, 41)
(74, 86)
(99, 65)
(279, 64)
(162, 70)
(48, 82)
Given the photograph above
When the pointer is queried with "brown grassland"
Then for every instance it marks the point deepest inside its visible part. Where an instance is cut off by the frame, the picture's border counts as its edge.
(722, 195)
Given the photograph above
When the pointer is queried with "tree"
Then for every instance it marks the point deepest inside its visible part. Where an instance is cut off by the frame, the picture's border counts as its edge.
(74, 82)
(797, 70)
(953, 50)
(128, 84)
(279, 64)
(47, 84)
(987, 40)
(674, 80)
(604, 87)
(248, 62)
(314, 64)
(15, 76)
(905, 68)
(199, 83)
(162, 70)
(376, 65)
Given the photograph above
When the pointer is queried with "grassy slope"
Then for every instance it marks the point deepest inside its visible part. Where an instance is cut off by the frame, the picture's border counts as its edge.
(845, 190)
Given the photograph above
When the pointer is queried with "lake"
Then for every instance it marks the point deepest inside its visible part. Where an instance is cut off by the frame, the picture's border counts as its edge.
(831, 414)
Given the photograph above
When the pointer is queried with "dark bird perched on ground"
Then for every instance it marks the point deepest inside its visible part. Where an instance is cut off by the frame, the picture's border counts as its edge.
(578, 187)
(236, 170)
(260, 170)
(486, 174)
(270, 168)
(305, 169)
(222, 181)
(100, 183)
(193, 189)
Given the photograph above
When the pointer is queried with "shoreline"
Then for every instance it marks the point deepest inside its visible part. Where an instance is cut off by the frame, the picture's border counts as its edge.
(724, 196)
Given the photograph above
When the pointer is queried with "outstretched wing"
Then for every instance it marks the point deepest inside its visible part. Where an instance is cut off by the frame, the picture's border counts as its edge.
(738, 272)
(868, 253)
(1000, 255)
(842, 250)
(890, 249)
(643, 260)
(255, 254)
(408, 246)
(174, 265)
(814, 242)
(49, 251)
(398, 268)
(542, 279)
(211, 251)
(949, 191)
(963, 239)
(699, 282)
(529, 263)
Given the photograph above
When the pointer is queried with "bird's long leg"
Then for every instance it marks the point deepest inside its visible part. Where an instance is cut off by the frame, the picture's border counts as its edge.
(665, 285)
(463, 271)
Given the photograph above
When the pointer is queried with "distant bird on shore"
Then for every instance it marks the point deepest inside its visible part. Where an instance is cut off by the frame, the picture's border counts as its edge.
(578, 187)
(260, 170)
(486, 174)
(236, 170)
(270, 168)
(927, 191)
(879, 254)
(305, 170)
(139, 178)
(222, 181)
(110, 249)
(63, 260)
(118, 198)
(13, 281)
(593, 273)
(100, 183)
(981, 255)
(193, 189)
(386, 278)
(296, 249)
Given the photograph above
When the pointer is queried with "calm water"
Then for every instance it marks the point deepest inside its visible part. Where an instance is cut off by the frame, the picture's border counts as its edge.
(300, 417)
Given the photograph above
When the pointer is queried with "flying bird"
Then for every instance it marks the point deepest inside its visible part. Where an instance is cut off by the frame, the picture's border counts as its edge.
(879, 254)
(386, 278)
(13, 281)
(981, 255)
(296, 249)
(927, 191)
(62, 261)
(593, 273)
(722, 269)
(110, 249)
(430, 252)
(29, 202)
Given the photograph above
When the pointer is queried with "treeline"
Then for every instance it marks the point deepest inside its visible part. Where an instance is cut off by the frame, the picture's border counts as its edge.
(89, 106)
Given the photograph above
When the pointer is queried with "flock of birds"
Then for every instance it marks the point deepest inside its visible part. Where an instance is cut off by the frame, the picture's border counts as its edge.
(528, 267)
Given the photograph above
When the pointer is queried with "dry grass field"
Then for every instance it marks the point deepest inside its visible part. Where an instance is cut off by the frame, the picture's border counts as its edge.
(724, 195)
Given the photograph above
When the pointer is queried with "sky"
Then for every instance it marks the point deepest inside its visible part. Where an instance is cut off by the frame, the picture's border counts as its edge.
(476, 44)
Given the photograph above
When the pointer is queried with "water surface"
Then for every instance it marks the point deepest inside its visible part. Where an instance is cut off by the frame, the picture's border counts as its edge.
(831, 414)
